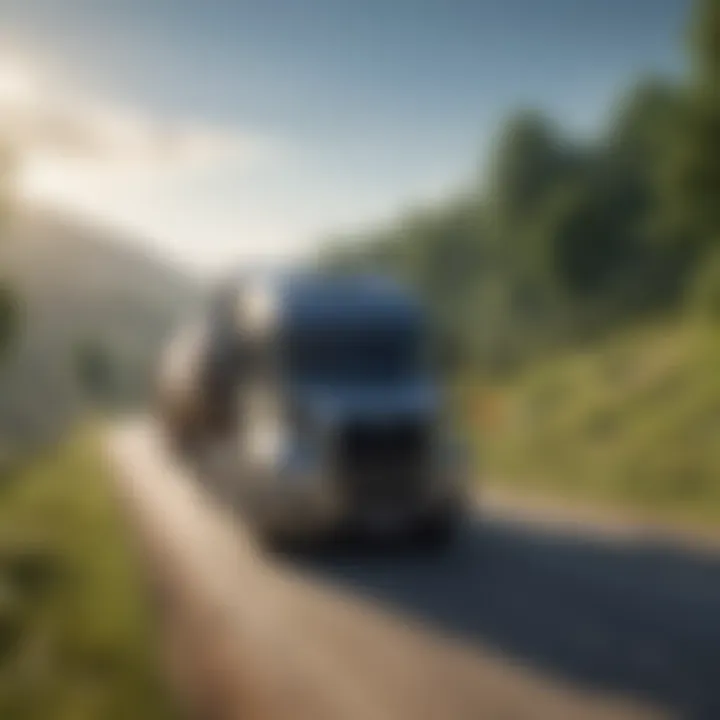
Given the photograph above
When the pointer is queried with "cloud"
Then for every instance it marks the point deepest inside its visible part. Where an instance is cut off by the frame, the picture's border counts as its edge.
(179, 184)
(46, 122)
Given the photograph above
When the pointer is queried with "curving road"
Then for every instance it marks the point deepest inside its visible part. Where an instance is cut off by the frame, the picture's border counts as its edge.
(519, 620)
(642, 619)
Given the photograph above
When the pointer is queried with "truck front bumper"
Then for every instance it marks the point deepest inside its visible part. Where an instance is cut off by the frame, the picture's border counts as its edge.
(313, 509)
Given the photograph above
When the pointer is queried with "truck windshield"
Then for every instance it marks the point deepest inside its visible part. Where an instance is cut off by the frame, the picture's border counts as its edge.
(354, 355)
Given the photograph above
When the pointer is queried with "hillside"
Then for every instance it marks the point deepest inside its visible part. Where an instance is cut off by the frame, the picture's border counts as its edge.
(77, 282)
(632, 421)
(77, 637)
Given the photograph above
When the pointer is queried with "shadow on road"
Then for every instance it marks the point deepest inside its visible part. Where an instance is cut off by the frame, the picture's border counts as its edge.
(643, 619)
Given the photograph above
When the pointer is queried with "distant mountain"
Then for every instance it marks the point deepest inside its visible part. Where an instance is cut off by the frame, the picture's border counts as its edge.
(79, 283)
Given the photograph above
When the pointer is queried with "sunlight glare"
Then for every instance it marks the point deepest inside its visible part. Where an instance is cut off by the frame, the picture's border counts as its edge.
(20, 84)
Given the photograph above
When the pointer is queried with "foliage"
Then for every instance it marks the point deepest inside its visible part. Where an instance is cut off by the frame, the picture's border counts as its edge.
(705, 291)
(566, 240)
(692, 172)
(633, 420)
(75, 637)
(550, 274)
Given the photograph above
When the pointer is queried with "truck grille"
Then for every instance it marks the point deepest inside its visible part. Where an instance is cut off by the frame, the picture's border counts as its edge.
(383, 464)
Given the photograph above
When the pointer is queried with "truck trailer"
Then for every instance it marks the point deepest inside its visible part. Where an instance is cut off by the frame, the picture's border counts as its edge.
(326, 390)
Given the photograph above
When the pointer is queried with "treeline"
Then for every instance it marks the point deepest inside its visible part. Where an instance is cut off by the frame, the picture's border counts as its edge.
(565, 239)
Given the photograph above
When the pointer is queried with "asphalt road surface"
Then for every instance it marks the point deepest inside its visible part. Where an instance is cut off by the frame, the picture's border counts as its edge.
(520, 619)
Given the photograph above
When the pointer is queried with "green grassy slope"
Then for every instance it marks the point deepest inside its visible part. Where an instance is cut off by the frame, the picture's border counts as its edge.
(634, 421)
(75, 635)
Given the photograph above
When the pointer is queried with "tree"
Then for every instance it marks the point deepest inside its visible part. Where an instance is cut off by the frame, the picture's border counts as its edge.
(705, 291)
(646, 122)
(692, 185)
(567, 239)
(531, 157)
(705, 48)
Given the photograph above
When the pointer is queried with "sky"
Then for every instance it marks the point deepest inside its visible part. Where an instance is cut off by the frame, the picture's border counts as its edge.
(220, 131)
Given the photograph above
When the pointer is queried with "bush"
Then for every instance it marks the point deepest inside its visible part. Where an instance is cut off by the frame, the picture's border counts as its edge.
(645, 438)
(76, 638)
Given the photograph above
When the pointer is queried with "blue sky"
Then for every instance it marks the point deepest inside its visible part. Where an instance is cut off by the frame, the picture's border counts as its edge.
(351, 110)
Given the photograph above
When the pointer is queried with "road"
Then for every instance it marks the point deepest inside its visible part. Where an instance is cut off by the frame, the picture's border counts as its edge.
(520, 620)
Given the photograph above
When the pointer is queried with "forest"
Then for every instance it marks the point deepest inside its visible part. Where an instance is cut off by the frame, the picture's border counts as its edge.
(561, 240)
(575, 285)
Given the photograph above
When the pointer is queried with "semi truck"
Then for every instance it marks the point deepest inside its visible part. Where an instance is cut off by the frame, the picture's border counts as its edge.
(326, 391)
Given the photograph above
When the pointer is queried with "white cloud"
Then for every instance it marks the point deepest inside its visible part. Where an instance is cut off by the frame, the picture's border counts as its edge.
(52, 129)
(136, 171)
(200, 193)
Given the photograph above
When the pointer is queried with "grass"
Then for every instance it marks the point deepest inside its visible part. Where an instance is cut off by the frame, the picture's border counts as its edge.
(76, 638)
(634, 421)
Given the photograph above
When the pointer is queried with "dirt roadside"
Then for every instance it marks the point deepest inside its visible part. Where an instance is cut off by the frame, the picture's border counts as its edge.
(608, 521)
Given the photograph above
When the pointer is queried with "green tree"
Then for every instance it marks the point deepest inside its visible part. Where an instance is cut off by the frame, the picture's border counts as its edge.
(531, 156)
(693, 174)
(566, 239)
(705, 49)
(705, 290)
